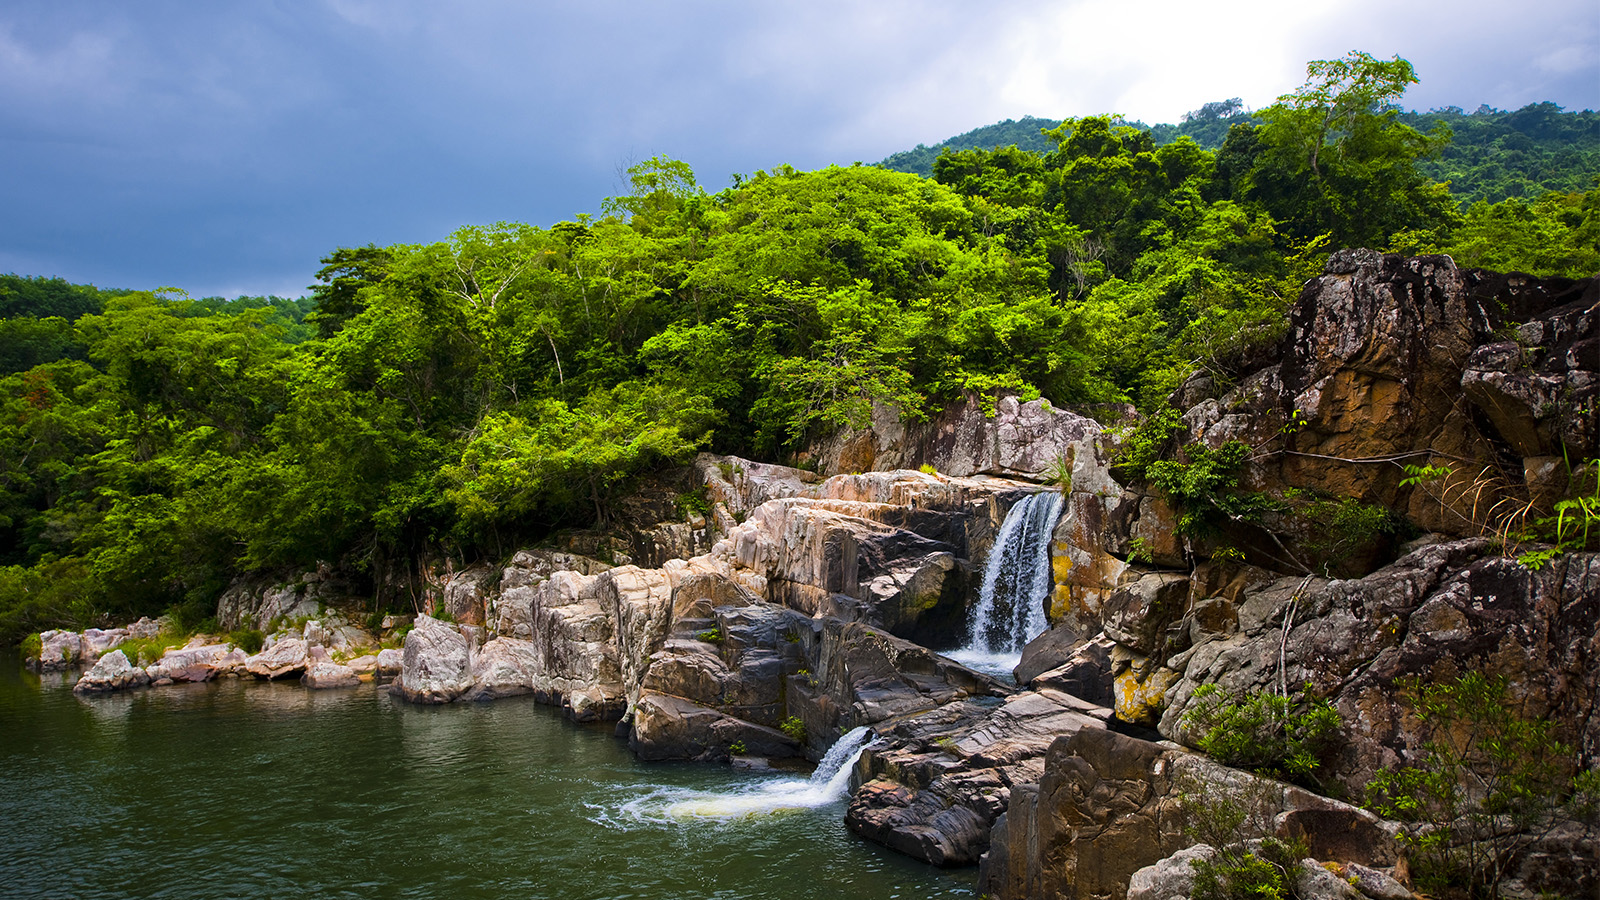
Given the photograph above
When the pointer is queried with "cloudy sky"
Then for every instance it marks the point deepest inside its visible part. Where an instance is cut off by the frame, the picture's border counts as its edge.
(224, 148)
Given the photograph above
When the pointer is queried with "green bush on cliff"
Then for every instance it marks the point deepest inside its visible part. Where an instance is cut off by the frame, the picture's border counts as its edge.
(1488, 783)
(32, 646)
(1235, 820)
(1264, 732)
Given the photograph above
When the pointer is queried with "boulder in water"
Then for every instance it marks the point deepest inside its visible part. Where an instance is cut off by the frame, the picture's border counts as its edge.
(113, 672)
(286, 657)
(330, 675)
(437, 667)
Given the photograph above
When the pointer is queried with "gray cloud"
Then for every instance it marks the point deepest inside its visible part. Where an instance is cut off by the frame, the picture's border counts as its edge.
(225, 149)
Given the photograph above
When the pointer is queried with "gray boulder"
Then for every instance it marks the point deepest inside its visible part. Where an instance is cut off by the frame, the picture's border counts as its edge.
(112, 672)
(438, 663)
(1171, 878)
(286, 657)
(322, 675)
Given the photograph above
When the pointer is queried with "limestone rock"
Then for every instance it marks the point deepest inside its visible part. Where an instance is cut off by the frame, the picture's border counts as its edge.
(666, 727)
(198, 663)
(940, 779)
(60, 650)
(1085, 674)
(1317, 883)
(504, 667)
(1138, 615)
(112, 672)
(390, 662)
(97, 642)
(1440, 611)
(437, 667)
(1375, 884)
(323, 675)
(462, 596)
(1108, 805)
(285, 658)
(1171, 878)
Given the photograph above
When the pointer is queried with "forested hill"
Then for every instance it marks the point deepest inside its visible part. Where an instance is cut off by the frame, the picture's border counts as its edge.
(1492, 154)
(463, 398)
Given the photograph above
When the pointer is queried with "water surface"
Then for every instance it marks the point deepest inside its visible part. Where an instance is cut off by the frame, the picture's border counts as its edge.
(251, 790)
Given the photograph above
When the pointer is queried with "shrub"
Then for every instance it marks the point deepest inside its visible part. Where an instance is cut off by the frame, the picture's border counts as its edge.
(1488, 783)
(1236, 821)
(1207, 486)
(32, 646)
(927, 469)
(794, 728)
(247, 639)
(1264, 731)
(710, 635)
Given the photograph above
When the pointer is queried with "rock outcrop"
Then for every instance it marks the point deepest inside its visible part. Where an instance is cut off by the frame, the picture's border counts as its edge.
(438, 663)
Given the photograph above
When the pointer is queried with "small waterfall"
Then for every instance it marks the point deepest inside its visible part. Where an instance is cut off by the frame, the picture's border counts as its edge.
(827, 784)
(1016, 584)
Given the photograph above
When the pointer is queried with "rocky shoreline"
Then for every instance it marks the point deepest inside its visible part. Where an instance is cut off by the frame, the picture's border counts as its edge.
(798, 606)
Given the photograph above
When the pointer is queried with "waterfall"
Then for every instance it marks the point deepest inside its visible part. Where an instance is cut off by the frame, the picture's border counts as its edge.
(828, 784)
(1016, 585)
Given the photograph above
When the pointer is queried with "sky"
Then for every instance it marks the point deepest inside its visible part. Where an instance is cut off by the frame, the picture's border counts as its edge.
(224, 148)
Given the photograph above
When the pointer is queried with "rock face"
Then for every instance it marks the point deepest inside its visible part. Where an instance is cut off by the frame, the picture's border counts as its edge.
(1012, 438)
(1443, 610)
(936, 782)
(1392, 360)
(322, 675)
(1108, 805)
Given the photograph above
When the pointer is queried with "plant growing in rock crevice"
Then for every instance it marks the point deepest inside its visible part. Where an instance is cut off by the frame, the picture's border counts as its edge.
(1264, 732)
(1487, 784)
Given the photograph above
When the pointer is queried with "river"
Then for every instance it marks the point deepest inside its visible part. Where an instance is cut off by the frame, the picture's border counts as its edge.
(251, 790)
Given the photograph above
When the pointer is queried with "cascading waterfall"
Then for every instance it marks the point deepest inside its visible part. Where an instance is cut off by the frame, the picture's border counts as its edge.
(1016, 584)
(827, 784)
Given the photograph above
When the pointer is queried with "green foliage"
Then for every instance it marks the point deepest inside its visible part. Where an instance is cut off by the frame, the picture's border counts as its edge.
(1416, 475)
(710, 635)
(794, 728)
(247, 639)
(1487, 783)
(1264, 731)
(1207, 487)
(1236, 821)
(927, 469)
(1148, 443)
(737, 748)
(32, 646)
(1343, 525)
(1059, 473)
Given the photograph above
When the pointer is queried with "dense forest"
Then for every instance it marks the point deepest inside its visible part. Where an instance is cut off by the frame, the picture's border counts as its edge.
(466, 396)
(1491, 154)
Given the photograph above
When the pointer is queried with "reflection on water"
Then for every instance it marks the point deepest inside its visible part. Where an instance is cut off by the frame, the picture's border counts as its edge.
(251, 790)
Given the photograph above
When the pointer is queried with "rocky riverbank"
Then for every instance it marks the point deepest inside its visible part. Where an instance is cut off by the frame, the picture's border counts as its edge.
(794, 607)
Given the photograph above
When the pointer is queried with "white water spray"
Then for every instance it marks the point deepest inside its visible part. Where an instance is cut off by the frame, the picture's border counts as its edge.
(826, 785)
(1016, 585)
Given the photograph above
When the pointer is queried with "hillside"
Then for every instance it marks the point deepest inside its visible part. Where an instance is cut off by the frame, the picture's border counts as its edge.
(1492, 154)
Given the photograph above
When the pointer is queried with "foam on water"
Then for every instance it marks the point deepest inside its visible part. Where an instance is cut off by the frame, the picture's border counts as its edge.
(666, 805)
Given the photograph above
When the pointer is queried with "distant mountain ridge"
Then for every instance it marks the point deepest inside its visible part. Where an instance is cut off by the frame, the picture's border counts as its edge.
(1493, 153)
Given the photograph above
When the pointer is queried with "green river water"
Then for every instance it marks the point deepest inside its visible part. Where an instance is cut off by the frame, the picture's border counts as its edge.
(248, 790)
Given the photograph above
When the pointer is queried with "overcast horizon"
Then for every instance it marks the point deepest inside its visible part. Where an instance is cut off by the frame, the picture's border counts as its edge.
(225, 150)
